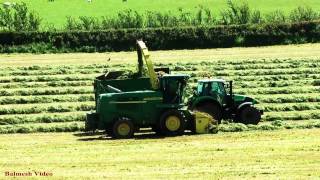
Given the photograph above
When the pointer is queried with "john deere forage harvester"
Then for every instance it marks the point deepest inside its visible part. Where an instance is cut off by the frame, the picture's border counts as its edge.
(146, 99)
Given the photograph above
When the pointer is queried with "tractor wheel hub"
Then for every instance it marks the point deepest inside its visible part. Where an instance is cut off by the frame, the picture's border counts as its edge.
(123, 129)
(172, 123)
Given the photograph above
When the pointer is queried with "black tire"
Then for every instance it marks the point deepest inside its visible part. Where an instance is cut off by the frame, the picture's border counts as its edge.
(176, 119)
(122, 128)
(249, 115)
(212, 109)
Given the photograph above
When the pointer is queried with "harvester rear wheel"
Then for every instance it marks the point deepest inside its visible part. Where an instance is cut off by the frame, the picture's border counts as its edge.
(123, 128)
(172, 123)
(211, 109)
(250, 115)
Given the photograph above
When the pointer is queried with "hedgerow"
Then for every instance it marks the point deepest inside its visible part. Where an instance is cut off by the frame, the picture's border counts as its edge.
(160, 38)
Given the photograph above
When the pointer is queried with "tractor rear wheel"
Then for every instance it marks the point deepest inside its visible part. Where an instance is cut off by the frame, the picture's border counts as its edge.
(123, 128)
(212, 109)
(172, 123)
(249, 115)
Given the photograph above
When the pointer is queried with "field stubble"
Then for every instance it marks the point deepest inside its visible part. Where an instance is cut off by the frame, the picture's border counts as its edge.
(288, 154)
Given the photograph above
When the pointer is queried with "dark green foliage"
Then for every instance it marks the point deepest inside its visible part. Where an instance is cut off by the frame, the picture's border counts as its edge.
(18, 18)
(256, 17)
(236, 14)
(276, 17)
(303, 14)
(163, 30)
(159, 38)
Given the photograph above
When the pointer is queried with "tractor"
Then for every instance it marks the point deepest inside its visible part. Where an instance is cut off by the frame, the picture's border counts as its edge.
(149, 98)
(215, 97)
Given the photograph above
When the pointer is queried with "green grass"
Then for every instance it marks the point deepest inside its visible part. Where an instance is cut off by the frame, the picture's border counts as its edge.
(285, 154)
(56, 12)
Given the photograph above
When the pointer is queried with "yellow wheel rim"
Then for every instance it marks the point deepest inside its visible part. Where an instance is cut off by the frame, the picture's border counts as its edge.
(172, 123)
(123, 129)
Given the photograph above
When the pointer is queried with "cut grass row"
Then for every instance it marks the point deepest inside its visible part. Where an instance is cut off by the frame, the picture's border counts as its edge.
(80, 116)
(50, 72)
(196, 75)
(88, 106)
(178, 66)
(289, 98)
(89, 89)
(42, 118)
(214, 69)
(42, 127)
(49, 78)
(242, 86)
(79, 126)
(229, 64)
(16, 85)
(280, 107)
(279, 90)
(272, 84)
(277, 98)
(269, 87)
(265, 72)
(292, 115)
(47, 91)
(46, 108)
(270, 77)
(46, 99)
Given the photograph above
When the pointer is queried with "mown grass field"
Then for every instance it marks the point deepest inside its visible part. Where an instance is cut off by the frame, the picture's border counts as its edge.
(285, 154)
(57, 11)
(48, 93)
(52, 93)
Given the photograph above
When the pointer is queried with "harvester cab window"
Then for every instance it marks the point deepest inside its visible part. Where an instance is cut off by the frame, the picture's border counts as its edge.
(215, 87)
(222, 88)
(171, 89)
(199, 88)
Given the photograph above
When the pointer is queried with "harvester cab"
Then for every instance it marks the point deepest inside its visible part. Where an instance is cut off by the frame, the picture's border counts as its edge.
(173, 87)
(216, 97)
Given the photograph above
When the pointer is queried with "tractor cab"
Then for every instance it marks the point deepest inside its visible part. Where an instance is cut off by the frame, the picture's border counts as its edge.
(211, 86)
(173, 87)
(215, 87)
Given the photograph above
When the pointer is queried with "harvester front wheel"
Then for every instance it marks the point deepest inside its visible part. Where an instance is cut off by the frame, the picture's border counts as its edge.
(211, 109)
(172, 123)
(123, 128)
(250, 115)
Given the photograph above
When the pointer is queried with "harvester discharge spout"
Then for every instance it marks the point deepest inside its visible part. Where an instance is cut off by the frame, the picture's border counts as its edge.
(143, 53)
